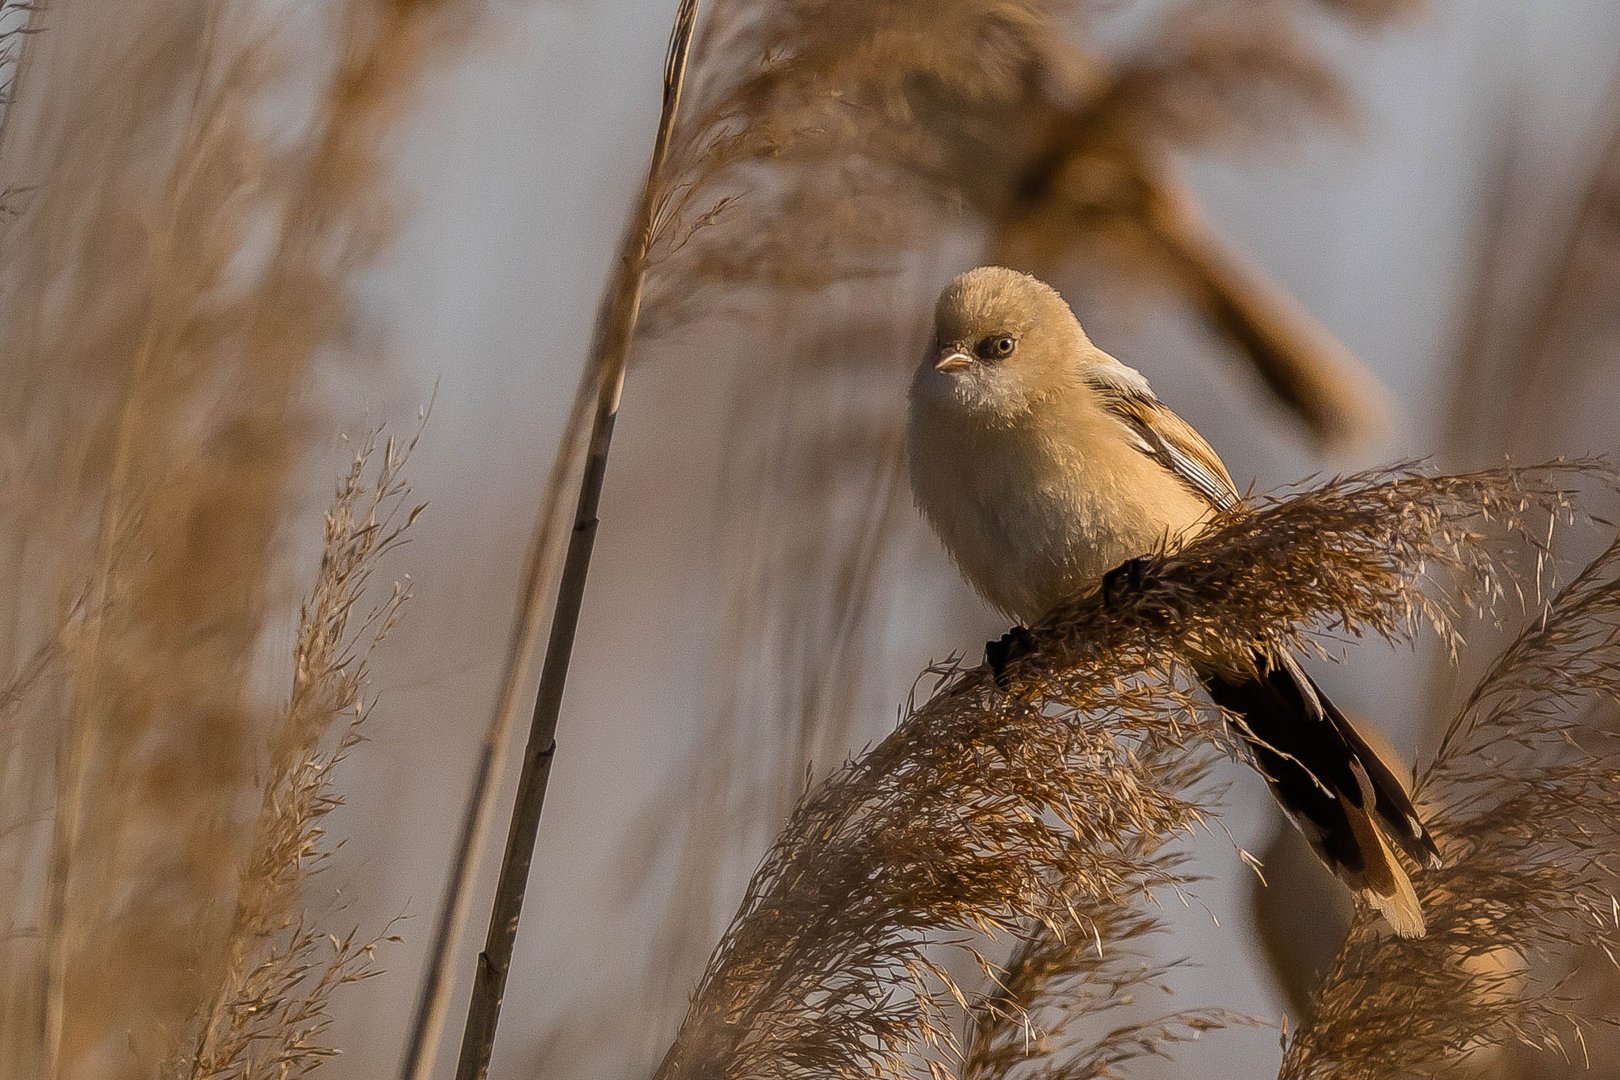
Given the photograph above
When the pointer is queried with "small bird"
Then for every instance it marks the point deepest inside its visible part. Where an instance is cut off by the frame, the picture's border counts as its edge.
(1044, 464)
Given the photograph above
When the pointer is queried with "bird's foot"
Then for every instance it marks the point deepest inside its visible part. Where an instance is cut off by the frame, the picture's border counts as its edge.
(1015, 644)
(1124, 578)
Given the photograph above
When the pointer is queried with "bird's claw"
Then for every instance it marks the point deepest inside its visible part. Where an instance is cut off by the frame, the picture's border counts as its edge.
(1014, 645)
(1126, 577)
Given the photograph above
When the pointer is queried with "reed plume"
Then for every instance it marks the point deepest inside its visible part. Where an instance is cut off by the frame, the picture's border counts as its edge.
(1526, 796)
(269, 1013)
(177, 276)
(1041, 1017)
(1537, 324)
(831, 142)
(988, 812)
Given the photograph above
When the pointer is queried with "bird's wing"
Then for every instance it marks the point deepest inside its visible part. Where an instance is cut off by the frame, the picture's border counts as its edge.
(1163, 435)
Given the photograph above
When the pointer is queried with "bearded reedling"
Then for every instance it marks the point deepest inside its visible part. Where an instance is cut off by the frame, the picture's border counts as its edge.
(1045, 465)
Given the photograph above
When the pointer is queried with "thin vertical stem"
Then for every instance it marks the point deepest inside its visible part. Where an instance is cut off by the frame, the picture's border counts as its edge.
(433, 1001)
(613, 349)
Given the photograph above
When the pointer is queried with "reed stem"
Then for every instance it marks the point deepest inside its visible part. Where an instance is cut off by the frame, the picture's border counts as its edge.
(612, 354)
(433, 1000)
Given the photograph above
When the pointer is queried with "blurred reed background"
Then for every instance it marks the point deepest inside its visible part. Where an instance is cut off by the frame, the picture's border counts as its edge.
(1228, 191)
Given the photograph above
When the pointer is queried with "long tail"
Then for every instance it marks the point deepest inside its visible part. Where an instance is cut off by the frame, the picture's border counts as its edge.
(1332, 784)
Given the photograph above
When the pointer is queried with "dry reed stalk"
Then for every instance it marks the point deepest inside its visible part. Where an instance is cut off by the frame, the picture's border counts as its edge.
(539, 567)
(1305, 367)
(269, 1012)
(1577, 296)
(19, 20)
(1472, 420)
(1523, 349)
(606, 367)
(175, 276)
(986, 811)
(1527, 798)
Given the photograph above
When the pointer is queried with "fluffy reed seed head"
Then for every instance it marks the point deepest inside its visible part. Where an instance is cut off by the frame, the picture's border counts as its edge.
(269, 1013)
(175, 274)
(1525, 792)
(988, 811)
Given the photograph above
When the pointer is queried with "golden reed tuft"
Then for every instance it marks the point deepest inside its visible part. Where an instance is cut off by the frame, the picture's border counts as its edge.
(991, 812)
(1526, 794)
(178, 275)
(829, 142)
(268, 1012)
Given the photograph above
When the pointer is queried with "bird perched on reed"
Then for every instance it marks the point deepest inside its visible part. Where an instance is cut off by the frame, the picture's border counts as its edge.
(1045, 465)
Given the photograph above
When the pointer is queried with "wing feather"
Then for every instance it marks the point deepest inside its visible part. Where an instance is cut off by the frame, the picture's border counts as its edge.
(1163, 435)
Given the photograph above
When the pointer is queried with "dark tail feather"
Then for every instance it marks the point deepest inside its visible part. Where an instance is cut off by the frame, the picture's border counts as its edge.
(1394, 805)
(1331, 783)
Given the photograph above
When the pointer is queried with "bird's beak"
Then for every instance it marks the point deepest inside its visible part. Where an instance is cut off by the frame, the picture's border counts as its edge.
(952, 359)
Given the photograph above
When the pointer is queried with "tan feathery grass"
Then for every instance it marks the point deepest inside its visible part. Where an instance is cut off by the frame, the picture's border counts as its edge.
(269, 1013)
(1041, 1017)
(1536, 326)
(175, 275)
(827, 142)
(164, 444)
(1526, 797)
(986, 811)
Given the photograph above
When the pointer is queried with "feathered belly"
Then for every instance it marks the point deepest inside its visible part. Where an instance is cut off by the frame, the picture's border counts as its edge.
(1030, 531)
(1055, 545)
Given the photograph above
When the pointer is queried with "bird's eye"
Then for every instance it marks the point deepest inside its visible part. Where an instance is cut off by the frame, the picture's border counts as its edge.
(997, 347)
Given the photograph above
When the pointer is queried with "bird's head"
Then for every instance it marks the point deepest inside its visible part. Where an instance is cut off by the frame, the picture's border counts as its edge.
(1003, 342)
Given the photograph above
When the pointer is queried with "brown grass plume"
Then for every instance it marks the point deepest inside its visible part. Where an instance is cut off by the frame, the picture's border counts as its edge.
(1526, 794)
(988, 812)
(177, 278)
